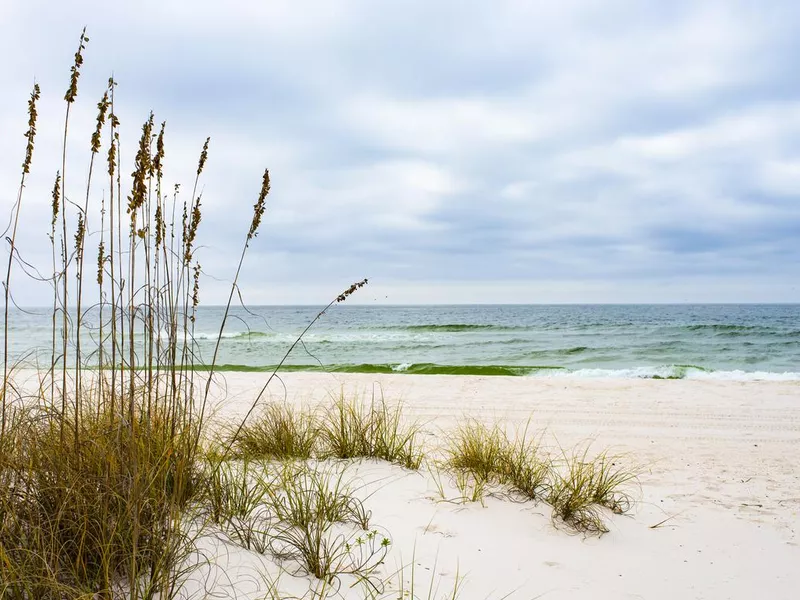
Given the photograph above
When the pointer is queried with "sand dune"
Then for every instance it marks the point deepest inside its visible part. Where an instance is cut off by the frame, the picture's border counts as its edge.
(720, 475)
(717, 513)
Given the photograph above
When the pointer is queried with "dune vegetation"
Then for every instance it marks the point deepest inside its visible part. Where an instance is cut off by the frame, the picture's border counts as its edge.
(113, 468)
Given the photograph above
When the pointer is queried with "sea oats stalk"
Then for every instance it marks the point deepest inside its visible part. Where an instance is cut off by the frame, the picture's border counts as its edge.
(136, 201)
(192, 215)
(69, 97)
(113, 212)
(55, 208)
(83, 217)
(147, 317)
(101, 263)
(258, 212)
(30, 135)
(160, 232)
(340, 298)
(96, 502)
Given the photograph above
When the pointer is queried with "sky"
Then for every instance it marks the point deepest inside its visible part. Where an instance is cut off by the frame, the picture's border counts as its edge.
(452, 151)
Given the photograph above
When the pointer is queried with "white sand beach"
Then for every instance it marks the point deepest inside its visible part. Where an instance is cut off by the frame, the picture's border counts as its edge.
(717, 515)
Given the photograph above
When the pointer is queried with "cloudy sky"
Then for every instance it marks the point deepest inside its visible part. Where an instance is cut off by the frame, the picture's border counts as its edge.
(449, 150)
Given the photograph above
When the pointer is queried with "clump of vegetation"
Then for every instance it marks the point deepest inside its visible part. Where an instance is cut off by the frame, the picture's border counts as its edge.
(99, 466)
(485, 459)
(494, 459)
(351, 428)
(477, 448)
(301, 494)
(585, 485)
(348, 428)
(524, 467)
(278, 432)
(106, 509)
(305, 516)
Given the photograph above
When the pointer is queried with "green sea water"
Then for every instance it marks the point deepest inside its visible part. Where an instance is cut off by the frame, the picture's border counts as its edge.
(654, 341)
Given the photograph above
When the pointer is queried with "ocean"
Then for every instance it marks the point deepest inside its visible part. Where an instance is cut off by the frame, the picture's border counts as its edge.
(738, 342)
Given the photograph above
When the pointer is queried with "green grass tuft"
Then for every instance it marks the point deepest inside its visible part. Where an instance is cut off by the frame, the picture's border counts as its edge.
(583, 486)
(278, 432)
(351, 428)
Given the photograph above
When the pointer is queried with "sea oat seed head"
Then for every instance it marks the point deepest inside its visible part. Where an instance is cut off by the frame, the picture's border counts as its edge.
(158, 160)
(142, 168)
(203, 157)
(102, 108)
(79, 235)
(160, 227)
(196, 288)
(75, 70)
(31, 133)
(56, 198)
(101, 259)
(259, 206)
(191, 232)
(351, 290)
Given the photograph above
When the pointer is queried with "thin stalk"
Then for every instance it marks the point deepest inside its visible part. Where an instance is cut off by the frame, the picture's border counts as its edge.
(112, 165)
(258, 213)
(83, 224)
(100, 272)
(26, 166)
(69, 97)
(232, 439)
(55, 210)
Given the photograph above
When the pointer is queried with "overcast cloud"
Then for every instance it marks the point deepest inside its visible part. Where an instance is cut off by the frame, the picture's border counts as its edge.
(450, 150)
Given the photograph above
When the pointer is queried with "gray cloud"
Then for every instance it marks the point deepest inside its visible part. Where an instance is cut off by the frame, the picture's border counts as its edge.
(452, 151)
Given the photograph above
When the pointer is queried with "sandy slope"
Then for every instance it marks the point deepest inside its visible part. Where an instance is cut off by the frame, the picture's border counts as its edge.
(721, 474)
(721, 466)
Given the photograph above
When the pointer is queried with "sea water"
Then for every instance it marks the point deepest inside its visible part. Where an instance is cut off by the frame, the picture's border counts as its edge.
(642, 341)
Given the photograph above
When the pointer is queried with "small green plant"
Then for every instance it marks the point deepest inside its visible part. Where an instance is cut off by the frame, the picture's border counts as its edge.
(351, 428)
(278, 432)
(476, 448)
(403, 584)
(524, 468)
(482, 456)
(301, 495)
(585, 486)
(231, 489)
(319, 550)
(303, 520)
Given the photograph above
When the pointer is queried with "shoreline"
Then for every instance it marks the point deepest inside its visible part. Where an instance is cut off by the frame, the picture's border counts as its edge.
(644, 372)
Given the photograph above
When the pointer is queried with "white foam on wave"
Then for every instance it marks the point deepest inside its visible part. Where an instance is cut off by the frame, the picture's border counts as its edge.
(746, 376)
(401, 367)
(674, 372)
(318, 337)
(203, 335)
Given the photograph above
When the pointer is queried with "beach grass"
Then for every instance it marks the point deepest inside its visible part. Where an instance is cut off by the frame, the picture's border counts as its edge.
(279, 431)
(100, 466)
(107, 479)
(351, 427)
(583, 485)
(484, 459)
